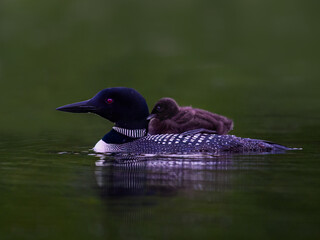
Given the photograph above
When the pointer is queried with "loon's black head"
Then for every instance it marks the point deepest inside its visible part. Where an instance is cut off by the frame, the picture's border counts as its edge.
(123, 106)
(165, 108)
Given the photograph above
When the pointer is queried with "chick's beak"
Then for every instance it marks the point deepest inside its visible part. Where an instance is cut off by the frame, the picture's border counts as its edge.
(151, 116)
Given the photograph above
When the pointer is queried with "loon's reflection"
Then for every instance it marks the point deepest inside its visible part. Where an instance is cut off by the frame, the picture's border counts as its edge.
(119, 176)
(163, 189)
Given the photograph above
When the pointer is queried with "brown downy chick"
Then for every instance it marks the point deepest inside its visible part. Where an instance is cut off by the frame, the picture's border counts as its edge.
(168, 117)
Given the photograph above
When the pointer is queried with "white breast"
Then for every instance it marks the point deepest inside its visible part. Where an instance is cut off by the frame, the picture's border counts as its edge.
(103, 147)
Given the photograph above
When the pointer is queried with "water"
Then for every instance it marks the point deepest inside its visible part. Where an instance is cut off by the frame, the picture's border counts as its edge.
(50, 195)
(255, 62)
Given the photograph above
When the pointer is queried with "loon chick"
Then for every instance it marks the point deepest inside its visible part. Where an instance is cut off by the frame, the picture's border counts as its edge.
(168, 117)
(129, 111)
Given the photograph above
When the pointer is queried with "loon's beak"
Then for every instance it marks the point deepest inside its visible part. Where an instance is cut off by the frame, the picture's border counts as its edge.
(151, 116)
(78, 107)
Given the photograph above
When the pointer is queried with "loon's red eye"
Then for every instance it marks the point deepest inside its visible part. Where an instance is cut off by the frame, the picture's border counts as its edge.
(109, 100)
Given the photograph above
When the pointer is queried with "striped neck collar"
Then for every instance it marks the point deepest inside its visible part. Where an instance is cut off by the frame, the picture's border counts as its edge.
(133, 133)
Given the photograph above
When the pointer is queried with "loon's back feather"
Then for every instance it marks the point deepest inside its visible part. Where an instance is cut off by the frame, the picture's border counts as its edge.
(188, 144)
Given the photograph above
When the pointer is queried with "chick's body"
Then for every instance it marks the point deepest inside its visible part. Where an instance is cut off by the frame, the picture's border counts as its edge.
(168, 117)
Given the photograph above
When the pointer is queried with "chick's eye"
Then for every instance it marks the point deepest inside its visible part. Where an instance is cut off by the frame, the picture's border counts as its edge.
(109, 100)
(158, 108)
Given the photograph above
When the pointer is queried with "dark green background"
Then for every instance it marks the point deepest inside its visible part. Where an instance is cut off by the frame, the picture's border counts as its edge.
(256, 62)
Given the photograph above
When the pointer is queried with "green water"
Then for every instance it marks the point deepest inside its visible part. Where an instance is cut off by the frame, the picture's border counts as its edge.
(256, 62)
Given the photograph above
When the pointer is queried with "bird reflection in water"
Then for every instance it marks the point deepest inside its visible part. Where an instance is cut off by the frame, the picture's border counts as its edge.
(139, 189)
(127, 175)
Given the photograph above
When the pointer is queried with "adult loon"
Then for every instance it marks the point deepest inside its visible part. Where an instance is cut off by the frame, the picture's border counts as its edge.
(168, 117)
(129, 111)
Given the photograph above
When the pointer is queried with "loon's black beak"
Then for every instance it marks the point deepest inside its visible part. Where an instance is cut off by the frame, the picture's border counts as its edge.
(151, 116)
(78, 107)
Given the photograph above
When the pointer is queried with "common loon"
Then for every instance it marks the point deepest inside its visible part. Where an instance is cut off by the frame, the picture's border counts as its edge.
(129, 111)
(168, 117)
